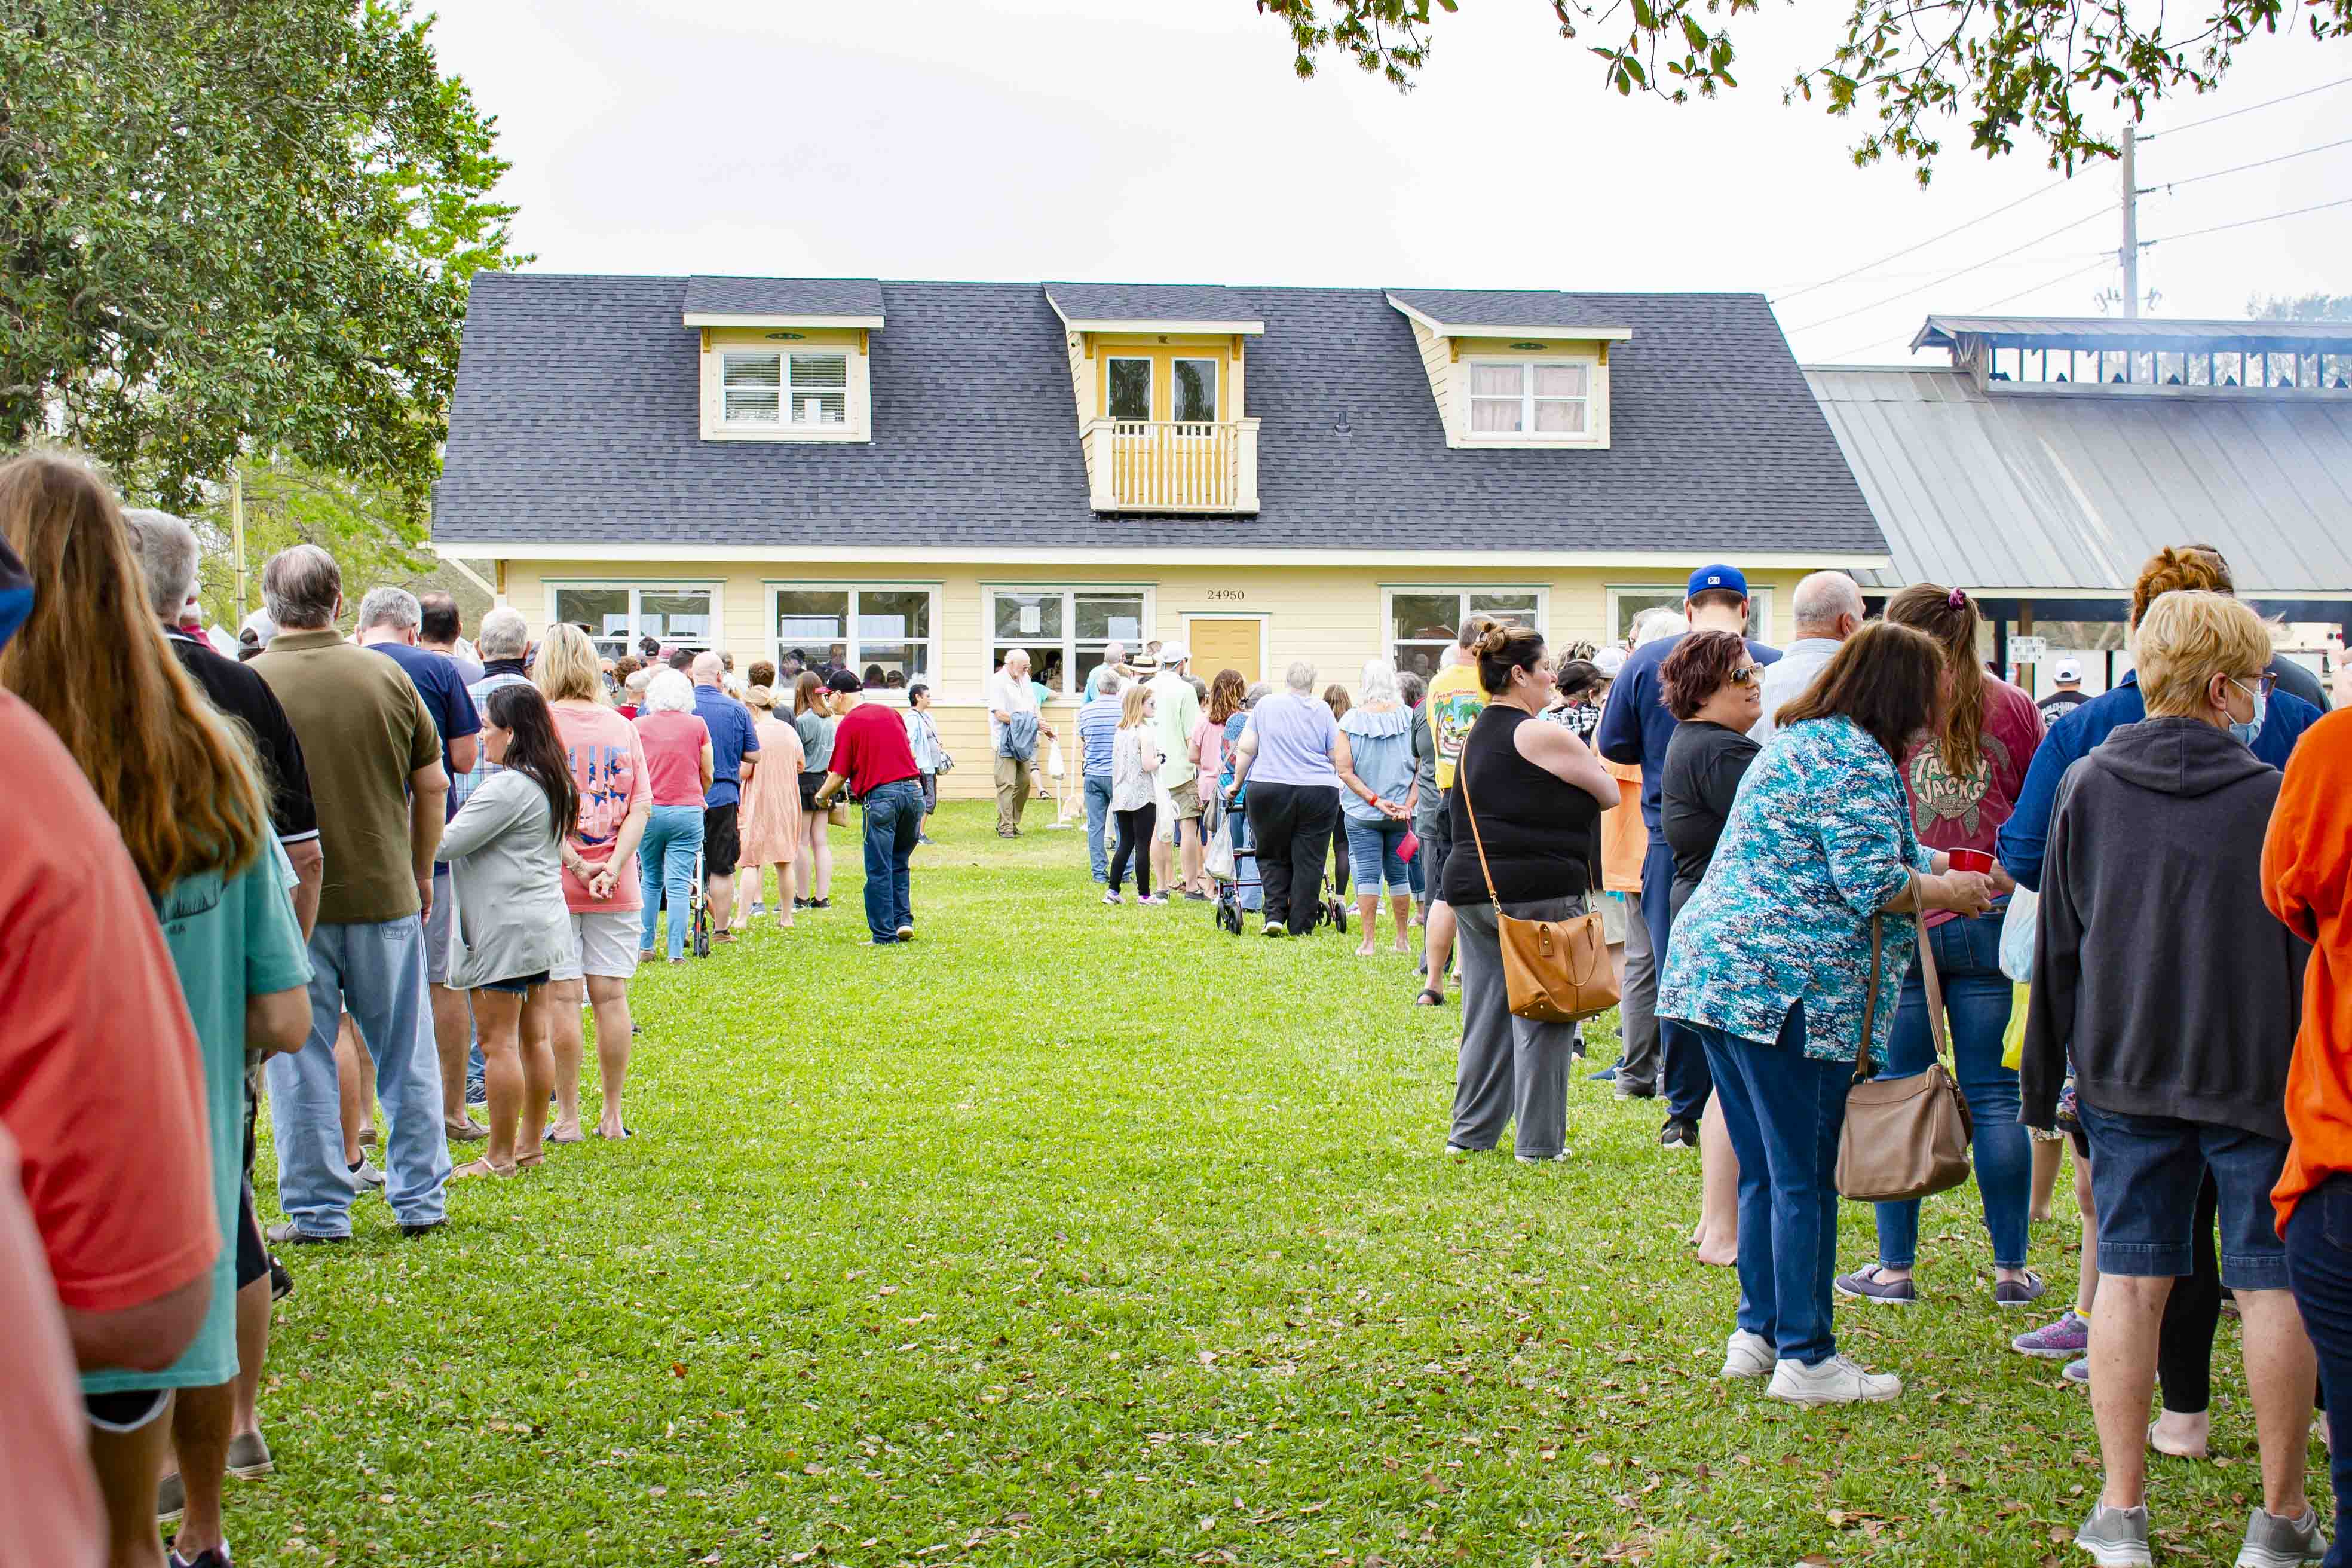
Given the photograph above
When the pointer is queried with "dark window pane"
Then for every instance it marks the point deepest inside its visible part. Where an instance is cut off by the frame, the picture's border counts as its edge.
(1424, 616)
(1130, 388)
(683, 618)
(1196, 390)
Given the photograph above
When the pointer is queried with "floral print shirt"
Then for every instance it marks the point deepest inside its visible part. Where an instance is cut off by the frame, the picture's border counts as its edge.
(1819, 837)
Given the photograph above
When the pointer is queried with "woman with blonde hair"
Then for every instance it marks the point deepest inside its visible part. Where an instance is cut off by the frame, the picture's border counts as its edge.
(1134, 759)
(1377, 796)
(601, 890)
(771, 808)
(182, 787)
(813, 722)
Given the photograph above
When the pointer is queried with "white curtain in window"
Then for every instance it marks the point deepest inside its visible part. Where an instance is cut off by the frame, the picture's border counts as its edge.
(1496, 392)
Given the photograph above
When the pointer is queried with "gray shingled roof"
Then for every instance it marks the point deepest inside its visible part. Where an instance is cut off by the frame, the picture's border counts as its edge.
(1511, 308)
(785, 296)
(575, 420)
(1151, 302)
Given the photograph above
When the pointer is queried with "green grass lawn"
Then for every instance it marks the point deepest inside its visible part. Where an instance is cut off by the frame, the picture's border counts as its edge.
(1072, 1234)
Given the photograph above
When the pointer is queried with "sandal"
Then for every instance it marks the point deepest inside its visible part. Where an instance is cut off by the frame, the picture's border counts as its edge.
(531, 1162)
(576, 1137)
(1430, 997)
(480, 1168)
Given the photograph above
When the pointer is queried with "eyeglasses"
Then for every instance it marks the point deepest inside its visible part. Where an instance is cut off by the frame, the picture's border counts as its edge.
(1747, 675)
(2261, 686)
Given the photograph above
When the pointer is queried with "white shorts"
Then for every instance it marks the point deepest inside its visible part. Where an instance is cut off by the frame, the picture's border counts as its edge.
(603, 944)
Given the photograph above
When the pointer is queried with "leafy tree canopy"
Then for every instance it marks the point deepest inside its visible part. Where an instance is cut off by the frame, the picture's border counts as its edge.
(2038, 68)
(238, 228)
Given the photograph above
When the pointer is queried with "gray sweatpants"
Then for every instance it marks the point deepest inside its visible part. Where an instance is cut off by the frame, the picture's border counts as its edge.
(1512, 1069)
(1637, 1019)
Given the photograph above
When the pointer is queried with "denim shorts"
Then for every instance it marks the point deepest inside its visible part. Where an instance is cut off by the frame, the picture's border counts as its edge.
(518, 985)
(2145, 1174)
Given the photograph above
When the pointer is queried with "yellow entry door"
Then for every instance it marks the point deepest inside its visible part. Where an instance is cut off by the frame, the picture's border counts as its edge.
(1225, 643)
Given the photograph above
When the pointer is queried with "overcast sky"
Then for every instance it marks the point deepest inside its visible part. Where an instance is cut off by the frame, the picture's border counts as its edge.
(1167, 141)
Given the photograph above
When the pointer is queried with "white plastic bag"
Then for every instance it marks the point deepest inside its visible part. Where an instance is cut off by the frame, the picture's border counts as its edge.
(1053, 758)
(2017, 929)
(1220, 864)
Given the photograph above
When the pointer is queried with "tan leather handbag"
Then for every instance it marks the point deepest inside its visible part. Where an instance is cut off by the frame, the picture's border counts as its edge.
(1904, 1137)
(1556, 972)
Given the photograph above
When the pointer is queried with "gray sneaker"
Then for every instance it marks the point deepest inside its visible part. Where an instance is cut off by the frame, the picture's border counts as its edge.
(2275, 1542)
(249, 1457)
(2116, 1537)
(1870, 1284)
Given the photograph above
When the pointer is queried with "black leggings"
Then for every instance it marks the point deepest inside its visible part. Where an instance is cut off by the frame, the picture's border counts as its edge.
(2184, 1346)
(1134, 838)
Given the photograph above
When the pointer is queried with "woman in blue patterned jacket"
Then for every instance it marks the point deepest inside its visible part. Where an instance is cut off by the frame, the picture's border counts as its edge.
(1770, 965)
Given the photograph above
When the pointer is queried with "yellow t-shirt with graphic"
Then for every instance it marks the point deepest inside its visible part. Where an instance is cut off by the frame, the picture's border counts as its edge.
(1453, 703)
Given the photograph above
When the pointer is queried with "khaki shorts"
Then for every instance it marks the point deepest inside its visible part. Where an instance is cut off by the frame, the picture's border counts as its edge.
(1187, 799)
(603, 943)
(1613, 917)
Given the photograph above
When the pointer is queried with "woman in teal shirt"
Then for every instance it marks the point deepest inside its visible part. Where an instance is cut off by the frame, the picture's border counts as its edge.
(186, 794)
(1771, 965)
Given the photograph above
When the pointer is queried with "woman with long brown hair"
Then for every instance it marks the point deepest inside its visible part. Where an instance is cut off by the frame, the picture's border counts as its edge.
(813, 720)
(181, 785)
(1772, 966)
(1962, 781)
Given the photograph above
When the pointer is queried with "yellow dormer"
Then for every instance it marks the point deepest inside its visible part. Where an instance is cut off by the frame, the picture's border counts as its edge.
(1514, 370)
(1159, 373)
(785, 359)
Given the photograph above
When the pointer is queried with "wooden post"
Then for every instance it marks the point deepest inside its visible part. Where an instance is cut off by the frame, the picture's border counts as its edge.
(2024, 629)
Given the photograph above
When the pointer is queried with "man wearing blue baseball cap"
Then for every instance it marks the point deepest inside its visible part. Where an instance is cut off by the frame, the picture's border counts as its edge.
(1635, 727)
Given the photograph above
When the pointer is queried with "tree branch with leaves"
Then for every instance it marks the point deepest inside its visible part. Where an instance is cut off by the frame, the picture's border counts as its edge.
(2064, 73)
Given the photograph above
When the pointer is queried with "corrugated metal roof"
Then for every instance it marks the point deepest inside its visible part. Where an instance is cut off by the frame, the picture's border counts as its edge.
(2018, 494)
(783, 296)
(2112, 332)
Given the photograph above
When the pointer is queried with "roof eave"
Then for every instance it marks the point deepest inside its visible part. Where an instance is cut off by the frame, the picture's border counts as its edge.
(1462, 330)
(777, 319)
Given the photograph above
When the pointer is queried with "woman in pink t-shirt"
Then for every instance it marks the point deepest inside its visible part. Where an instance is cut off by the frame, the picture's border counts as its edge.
(600, 877)
(679, 765)
(1963, 782)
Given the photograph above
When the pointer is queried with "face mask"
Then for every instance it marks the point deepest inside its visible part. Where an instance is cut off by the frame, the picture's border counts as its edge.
(2246, 733)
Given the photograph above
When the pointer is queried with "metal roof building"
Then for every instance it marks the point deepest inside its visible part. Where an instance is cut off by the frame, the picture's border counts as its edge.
(2046, 495)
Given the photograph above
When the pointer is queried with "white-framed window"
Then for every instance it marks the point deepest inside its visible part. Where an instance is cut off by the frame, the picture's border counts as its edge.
(1425, 623)
(1627, 601)
(1130, 384)
(1193, 383)
(778, 387)
(886, 634)
(618, 614)
(1064, 630)
(1546, 399)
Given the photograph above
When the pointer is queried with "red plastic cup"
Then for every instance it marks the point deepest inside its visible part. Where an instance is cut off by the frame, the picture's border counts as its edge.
(1972, 860)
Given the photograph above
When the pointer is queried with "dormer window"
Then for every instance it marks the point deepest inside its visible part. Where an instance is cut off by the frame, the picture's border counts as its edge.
(777, 388)
(785, 359)
(1540, 398)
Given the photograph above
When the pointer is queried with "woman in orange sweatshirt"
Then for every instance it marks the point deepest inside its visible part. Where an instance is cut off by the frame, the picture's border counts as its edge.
(2308, 882)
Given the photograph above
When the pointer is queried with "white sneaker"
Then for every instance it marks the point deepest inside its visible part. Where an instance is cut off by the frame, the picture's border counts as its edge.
(364, 1175)
(1837, 1381)
(1746, 1355)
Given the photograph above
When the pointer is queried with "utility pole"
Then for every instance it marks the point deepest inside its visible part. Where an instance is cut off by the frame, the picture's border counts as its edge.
(2130, 253)
(236, 531)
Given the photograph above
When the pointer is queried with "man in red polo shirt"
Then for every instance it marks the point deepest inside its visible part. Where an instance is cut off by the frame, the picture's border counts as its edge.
(872, 759)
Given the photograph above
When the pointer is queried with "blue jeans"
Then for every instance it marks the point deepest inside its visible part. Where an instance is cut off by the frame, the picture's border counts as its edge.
(2319, 1269)
(1683, 1075)
(665, 869)
(894, 823)
(1097, 818)
(1249, 894)
(374, 972)
(1977, 1002)
(1784, 1112)
(1375, 855)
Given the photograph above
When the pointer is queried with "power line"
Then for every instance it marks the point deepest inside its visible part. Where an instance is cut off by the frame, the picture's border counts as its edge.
(2232, 114)
(2240, 168)
(2248, 221)
(2106, 259)
(1952, 277)
(1923, 244)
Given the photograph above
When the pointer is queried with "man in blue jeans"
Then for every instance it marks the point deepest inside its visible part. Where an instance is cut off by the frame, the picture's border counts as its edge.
(1097, 727)
(373, 753)
(1635, 728)
(873, 760)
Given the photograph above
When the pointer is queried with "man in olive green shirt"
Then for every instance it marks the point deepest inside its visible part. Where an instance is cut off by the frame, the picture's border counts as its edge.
(379, 787)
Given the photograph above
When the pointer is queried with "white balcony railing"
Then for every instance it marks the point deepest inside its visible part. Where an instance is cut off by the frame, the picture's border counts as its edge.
(1164, 465)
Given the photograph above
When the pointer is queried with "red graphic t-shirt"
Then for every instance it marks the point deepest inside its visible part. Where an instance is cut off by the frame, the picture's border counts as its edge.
(1966, 812)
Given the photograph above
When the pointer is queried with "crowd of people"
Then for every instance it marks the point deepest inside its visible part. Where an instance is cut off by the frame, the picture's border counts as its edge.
(399, 870)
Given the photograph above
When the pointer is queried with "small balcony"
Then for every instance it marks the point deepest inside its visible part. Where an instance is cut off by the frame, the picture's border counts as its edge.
(1171, 466)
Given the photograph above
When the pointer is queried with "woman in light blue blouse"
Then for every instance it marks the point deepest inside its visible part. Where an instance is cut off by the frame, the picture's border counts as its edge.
(1771, 962)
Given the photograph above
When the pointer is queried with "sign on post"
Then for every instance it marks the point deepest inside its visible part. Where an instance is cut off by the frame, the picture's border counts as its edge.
(2027, 650)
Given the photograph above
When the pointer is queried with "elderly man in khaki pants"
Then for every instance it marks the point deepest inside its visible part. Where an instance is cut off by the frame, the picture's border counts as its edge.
(1012, 708)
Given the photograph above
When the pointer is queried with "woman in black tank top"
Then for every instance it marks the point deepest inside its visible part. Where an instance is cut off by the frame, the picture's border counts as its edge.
(1527, 803)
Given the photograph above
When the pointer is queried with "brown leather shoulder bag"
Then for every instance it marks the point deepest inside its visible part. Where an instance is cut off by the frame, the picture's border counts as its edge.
(1904, 1137)
(1555, 971)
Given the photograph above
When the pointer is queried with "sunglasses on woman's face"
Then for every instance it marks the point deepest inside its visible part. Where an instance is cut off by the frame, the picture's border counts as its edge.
(1747, 674)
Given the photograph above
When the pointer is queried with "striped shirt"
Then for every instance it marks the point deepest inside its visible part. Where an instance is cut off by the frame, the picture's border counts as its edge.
(1097, 723)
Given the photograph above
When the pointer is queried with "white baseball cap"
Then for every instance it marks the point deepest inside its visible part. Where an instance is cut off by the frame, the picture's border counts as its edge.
(2068, 670)
(1174, 653)
(1609, 660)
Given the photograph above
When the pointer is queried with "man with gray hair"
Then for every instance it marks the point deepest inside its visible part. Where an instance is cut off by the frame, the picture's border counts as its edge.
(1176, 859)
(377, 773)
(1014, 727)
(1108, 675)
(390, 621)
(1828, 610)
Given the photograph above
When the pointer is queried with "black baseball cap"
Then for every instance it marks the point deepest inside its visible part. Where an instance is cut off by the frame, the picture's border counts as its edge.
(842, 680)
